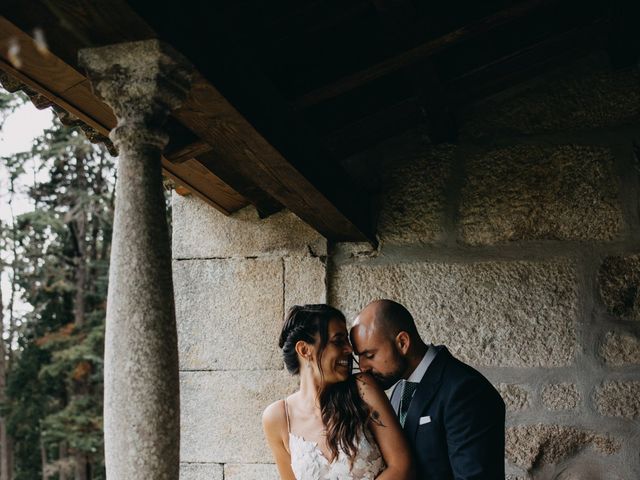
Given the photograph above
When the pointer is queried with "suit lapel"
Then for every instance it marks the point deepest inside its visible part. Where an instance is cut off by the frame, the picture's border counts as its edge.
(425, 392)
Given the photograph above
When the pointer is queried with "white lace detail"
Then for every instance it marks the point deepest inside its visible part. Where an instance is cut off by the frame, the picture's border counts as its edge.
(309, 463)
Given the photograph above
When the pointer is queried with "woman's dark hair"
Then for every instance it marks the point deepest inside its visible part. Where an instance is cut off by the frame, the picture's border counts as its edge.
(344, 414)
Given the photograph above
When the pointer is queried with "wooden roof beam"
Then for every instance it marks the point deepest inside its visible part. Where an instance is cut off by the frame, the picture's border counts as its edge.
(246, 160)
(288, 167)
(65, 87)
(419, 54)
(253, 132)
(398, 17)
(532, 60)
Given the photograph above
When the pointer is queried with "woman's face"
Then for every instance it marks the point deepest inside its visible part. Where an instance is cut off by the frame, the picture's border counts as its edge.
(337, 357)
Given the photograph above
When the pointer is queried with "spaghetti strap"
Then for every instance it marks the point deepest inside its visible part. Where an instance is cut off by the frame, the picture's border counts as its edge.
(286, 413)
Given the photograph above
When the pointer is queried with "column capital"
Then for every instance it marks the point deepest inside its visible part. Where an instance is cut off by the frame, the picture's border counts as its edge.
(142, 82)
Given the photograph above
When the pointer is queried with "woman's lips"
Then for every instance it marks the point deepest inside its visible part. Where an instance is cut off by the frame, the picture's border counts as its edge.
(345, 363)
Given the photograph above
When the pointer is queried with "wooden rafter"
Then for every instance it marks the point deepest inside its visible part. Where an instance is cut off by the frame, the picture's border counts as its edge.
(317, 193)
(243, 157)
(254, 133)
(65, 87)
(418, 54)
(551, 52)
(398, 19)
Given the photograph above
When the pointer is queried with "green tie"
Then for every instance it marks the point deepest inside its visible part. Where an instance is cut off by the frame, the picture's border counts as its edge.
(408, 389)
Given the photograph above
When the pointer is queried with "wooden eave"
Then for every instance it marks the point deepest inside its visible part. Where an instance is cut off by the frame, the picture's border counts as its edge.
(286, 90)
(218, 140)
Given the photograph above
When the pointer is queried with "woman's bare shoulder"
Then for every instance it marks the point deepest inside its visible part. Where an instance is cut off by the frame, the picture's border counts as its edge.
(274, 416)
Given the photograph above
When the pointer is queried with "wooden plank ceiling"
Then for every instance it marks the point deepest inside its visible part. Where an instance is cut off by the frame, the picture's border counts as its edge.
(287, 89)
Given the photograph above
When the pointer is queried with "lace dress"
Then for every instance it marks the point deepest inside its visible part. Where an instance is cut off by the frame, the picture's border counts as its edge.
(309, 463)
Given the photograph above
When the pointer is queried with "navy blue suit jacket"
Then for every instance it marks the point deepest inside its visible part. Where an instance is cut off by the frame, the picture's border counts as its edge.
(455, 423)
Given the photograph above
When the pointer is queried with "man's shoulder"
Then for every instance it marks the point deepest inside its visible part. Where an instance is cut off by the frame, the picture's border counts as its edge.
(457, 372)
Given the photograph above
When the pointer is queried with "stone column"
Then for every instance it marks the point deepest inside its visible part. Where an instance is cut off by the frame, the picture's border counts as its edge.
(142, 82)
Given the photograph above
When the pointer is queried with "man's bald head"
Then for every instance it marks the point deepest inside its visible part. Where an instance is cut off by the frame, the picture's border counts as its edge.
(388, 318)
(386, 340)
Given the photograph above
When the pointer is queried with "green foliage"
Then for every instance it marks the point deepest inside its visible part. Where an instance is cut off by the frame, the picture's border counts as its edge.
(9, 103)
(62, 247)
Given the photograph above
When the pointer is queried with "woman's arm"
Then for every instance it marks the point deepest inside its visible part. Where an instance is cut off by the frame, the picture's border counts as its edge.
(387, 431)
(274, 424)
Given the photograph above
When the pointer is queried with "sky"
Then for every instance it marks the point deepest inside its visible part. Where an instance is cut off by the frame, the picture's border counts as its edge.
(17, 135)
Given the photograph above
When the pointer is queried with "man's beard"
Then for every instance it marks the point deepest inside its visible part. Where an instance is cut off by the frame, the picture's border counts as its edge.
(387, 380)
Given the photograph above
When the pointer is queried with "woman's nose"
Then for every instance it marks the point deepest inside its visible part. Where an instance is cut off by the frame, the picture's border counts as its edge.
(348, 348)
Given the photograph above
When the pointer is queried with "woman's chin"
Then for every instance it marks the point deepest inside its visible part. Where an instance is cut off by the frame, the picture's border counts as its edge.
(338, 377)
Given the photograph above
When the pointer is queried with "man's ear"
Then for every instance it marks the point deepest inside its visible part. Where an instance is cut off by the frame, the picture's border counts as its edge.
(403, 342)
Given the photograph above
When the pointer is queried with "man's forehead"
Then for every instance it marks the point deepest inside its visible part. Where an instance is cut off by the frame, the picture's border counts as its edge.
(364, 335)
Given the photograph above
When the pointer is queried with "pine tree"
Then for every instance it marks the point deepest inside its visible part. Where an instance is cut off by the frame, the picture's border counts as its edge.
(54, 388)
(8, 104)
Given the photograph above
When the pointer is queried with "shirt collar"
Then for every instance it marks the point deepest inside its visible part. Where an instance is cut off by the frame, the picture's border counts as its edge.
(421, 369)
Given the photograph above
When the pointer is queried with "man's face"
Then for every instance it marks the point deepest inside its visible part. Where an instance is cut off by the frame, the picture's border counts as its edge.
(378, 354)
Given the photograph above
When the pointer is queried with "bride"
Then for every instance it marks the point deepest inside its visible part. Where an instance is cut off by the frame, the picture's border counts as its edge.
(337, 426)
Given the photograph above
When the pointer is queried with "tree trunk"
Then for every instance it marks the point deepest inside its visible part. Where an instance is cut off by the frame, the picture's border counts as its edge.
(63, 453)
(6, 443)
(80, 460)
(43, 460)
(4, 471)
(79, 228)
(14, 256)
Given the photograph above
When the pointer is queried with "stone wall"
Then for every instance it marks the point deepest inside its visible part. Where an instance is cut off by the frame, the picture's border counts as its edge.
(234, 278)
(518, 248)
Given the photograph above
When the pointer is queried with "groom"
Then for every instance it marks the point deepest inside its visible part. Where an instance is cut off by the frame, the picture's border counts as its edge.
(451, 414)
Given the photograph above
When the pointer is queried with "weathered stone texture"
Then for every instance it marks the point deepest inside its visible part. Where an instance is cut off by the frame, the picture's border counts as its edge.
(201, 471)
(529, 446)
(250, 472)
(619, 283)
(621, 349)
(354, 250)
(619, 399)
(229, 313)
(221, 414)
(587, 96)
(304, 281)
(200, 231)
(518, 314)
(560, 396)
(141, 81)
(540, 193)
(516, 397)
(584, 467)
(414, 179)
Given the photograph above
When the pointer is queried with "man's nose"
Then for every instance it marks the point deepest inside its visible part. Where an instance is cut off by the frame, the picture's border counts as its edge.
(364, 364)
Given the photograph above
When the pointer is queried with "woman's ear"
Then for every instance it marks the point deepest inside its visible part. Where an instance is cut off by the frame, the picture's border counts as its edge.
(403, 342)
(303, 349)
